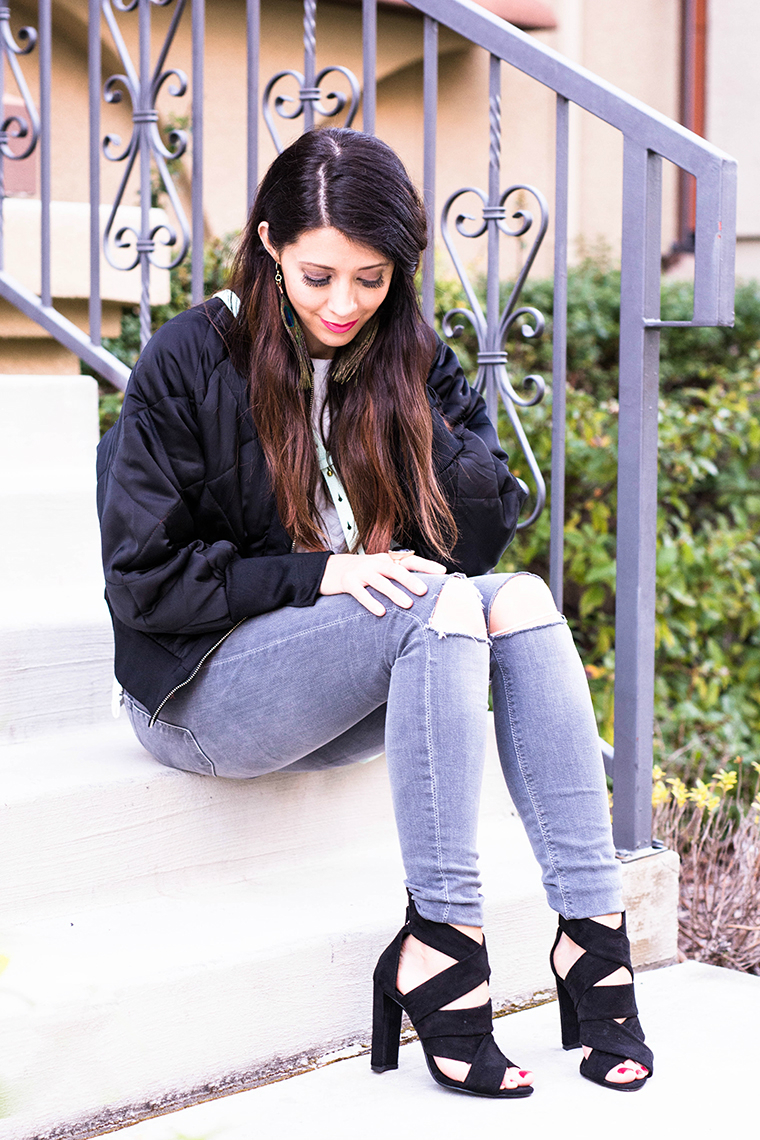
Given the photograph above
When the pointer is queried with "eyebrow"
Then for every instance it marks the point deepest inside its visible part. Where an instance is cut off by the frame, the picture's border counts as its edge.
(330, 268)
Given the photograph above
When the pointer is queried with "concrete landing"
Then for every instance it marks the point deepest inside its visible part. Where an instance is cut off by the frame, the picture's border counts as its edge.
(700, 1020)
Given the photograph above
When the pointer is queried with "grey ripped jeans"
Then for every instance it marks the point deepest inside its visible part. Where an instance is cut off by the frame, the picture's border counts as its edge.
(306, 689)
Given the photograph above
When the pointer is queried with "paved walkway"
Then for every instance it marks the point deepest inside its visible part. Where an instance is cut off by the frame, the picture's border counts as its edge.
(700, 1020)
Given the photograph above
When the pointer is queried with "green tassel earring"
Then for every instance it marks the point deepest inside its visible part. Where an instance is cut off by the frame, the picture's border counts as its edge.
(295, 332)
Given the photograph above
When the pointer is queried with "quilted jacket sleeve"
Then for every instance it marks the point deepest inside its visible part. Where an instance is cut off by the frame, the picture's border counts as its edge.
(482, 492)
(161, 575)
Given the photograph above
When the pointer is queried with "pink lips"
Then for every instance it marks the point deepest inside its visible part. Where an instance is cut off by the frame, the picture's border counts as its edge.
(337, 328)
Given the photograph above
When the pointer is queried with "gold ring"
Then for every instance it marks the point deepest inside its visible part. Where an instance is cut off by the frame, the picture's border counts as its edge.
(400, 555)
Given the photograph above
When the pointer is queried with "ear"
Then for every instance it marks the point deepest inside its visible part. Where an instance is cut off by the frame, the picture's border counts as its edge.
(264, 235)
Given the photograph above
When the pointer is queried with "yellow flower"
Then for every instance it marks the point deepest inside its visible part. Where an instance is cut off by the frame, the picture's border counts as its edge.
(725, 780)
(678, 789)
(657, 773)
(703, 796)
(660, 794)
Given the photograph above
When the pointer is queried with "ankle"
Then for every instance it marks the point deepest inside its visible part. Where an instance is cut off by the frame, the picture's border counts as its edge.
(473, 932)
(614, 921)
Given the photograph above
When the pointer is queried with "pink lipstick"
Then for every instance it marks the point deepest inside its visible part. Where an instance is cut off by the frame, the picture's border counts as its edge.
(337, 328)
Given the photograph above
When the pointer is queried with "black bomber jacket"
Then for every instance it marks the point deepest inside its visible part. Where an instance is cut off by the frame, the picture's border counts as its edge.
(192, 541)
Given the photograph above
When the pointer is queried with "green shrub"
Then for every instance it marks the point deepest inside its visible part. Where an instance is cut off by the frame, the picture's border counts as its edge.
(708, 560)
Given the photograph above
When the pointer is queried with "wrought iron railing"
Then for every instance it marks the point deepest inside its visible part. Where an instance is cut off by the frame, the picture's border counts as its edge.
(648, 138)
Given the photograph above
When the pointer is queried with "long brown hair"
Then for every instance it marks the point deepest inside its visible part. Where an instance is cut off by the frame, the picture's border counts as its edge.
(381, 433)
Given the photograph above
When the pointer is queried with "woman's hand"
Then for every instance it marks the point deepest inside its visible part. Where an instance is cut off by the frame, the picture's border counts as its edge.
(352, 573)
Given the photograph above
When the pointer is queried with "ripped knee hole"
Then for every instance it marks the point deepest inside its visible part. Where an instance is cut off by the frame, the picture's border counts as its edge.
(458, 609)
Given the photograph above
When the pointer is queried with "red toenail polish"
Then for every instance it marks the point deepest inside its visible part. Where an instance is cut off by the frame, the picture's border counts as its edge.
(523, 1074)
(621, 1071)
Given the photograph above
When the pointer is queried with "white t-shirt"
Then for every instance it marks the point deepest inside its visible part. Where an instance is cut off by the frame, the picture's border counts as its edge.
(328, 515)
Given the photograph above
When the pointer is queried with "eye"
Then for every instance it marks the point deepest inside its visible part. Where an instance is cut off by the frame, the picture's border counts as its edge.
(376, 284)
(315, 282)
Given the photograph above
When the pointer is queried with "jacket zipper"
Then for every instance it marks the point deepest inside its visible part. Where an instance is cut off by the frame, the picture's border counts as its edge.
(194, 673)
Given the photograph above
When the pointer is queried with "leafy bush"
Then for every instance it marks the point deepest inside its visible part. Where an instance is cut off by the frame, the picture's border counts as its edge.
(708, 559)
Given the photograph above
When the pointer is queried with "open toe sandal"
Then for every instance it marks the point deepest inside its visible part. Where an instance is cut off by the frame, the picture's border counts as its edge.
(588, 1011)
(457, 1034)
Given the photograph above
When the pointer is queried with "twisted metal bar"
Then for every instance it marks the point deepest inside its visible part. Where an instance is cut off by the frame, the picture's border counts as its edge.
(147, 145)
(309, 100)
(491, 328)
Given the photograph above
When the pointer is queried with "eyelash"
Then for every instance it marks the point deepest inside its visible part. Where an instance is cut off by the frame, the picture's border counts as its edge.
(319, 282)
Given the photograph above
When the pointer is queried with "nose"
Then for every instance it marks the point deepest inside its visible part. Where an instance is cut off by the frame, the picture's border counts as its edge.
(343, 303)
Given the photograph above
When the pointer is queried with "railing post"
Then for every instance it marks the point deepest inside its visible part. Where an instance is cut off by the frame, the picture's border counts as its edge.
(253, 32)
(369, 65)
(46, 66)
(492, 214)
(198, 14)
(430, 121)
(559, 352)
(637, 498)
(143, 117)
(94, 55)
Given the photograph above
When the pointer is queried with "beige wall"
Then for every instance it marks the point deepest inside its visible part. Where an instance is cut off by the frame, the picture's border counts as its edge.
(733, 112)
(636, 46)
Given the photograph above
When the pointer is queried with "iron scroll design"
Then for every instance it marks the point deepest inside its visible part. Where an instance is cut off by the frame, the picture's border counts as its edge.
(143, 92)
(16, 126)
(492, 356)
(310, 94)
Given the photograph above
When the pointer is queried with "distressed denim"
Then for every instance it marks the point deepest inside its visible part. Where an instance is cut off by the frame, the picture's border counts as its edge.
(305, 689)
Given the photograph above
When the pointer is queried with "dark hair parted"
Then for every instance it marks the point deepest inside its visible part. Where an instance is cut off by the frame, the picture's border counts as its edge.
(381, 431)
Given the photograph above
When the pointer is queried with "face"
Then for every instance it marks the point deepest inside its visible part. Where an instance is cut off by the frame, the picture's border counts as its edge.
(333, 284)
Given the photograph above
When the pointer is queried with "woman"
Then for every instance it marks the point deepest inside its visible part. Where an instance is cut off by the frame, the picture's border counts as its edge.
(282, 453)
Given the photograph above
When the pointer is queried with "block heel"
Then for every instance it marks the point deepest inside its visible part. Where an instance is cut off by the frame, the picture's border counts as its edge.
(386, 1031)
(568, 1019)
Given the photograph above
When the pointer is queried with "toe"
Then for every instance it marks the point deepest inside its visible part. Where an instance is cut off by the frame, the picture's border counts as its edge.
(626, 1072)
(517, 1078)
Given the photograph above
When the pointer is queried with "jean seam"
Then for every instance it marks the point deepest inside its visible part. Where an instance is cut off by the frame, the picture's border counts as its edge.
(528, 782)
(431, 776)
(253, 651)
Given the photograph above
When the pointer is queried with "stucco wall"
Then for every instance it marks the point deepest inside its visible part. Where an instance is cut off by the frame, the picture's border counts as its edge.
(733, 102)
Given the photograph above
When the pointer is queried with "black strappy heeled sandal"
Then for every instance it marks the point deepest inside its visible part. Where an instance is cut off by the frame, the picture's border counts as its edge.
(458, 1034)
(587, 1011)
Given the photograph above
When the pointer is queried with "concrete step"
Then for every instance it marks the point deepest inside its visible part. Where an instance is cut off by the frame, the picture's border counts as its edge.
(687, 1011)
(55, 640)
(248, 921)
(119, 828)
(168, 934)
(54, 676)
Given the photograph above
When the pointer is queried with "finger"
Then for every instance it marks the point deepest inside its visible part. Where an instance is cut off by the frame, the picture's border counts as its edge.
(381, 582)
(374, 605)
(401, 573)
(423, 565)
